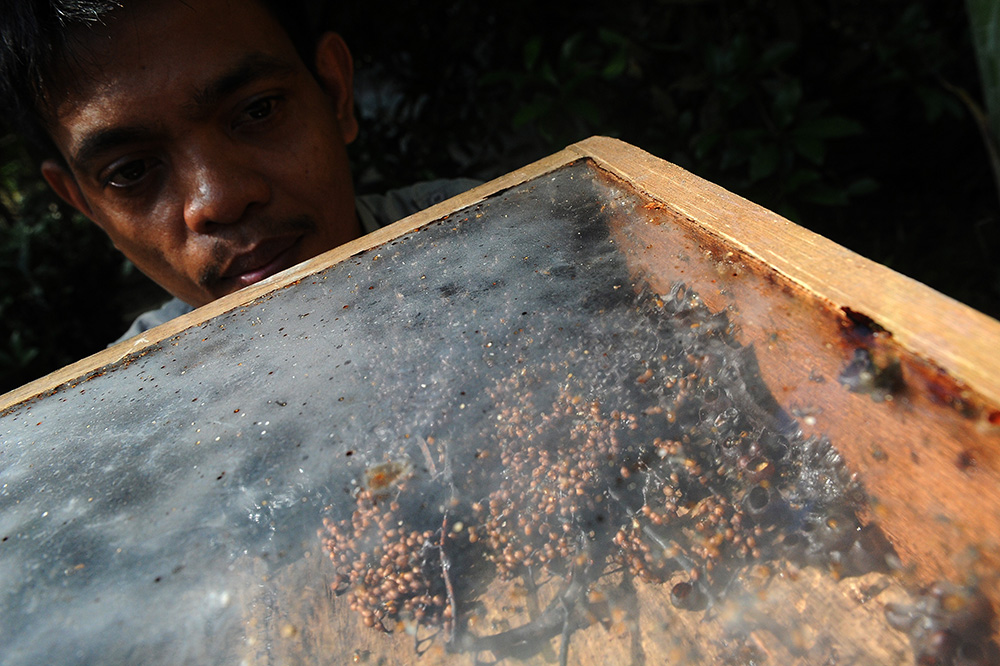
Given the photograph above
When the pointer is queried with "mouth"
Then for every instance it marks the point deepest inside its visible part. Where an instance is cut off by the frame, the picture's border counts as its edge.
(261, 261)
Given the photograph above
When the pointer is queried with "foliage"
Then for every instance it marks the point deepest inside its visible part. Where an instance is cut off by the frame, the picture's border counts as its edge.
(61, 280)
(984, 20)
(847, 117)
(842, 116)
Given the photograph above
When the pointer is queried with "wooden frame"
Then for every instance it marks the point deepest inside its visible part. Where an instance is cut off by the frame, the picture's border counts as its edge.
(924, 445)
(961, 341)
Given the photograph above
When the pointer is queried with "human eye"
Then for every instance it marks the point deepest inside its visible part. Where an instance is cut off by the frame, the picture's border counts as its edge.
(128, 173)
(258, 110)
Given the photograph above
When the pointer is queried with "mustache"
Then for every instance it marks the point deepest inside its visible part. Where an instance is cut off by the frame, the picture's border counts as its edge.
(224, 248)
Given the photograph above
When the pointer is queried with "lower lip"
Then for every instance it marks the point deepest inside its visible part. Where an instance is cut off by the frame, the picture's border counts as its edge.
(283, 260)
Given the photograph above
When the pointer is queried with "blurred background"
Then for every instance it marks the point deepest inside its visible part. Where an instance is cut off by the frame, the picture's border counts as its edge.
(869, 122)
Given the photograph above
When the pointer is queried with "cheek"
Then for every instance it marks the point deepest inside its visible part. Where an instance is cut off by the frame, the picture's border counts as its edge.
(322, 178)
(148, 258)
(323, 157)
(150, 246)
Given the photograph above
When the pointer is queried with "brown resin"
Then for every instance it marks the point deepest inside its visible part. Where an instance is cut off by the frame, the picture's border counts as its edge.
(926, 455)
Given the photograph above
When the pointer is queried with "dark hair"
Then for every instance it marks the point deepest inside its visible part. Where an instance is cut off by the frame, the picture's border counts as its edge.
(35, 38)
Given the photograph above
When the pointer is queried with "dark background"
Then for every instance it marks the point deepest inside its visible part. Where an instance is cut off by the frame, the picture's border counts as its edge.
(847, 117)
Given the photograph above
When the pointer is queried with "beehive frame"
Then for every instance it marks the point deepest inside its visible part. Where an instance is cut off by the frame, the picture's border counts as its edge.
(925, 448)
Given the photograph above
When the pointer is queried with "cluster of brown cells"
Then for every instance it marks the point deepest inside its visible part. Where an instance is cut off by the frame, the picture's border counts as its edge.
(652, 448)
(548, 502)
(388, 566)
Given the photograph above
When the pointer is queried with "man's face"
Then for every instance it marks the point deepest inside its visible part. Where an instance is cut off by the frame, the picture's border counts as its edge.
(203, 146)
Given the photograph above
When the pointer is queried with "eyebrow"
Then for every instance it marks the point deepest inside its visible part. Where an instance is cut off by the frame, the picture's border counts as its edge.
(95, 143)
(253, 67)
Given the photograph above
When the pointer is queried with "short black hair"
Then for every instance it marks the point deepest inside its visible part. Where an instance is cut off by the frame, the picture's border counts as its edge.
(35, 40)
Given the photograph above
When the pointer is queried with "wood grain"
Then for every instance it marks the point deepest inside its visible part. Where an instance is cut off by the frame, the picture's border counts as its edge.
(961, 341)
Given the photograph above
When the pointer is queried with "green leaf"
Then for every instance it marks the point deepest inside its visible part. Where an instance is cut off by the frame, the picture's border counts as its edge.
(984, 19)
(569, 52)
(775, 55)
(800, 178)
(824, 195)
(612, 37)
(530, 112)
(862, 186)
(584, 108)
(829, 127)
(704, 143)
(549, 75)
(531, 52)
(616, 66)
(786, 98)
(811, 148)
(937, 102)
(764, 162)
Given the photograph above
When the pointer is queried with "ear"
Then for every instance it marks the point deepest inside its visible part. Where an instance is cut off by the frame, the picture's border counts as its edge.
(335, 70)
(63, 183)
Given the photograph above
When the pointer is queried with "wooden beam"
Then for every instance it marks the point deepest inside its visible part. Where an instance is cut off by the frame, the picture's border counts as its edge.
(958, 339)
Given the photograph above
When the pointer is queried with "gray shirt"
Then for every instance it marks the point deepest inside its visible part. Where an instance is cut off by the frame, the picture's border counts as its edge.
(374, 211)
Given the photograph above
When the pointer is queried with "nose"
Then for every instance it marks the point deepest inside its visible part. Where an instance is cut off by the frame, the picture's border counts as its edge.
(221, 186)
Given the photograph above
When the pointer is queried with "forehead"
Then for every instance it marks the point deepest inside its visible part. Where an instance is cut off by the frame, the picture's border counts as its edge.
(127, 64)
